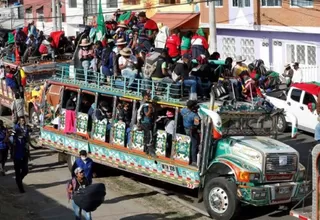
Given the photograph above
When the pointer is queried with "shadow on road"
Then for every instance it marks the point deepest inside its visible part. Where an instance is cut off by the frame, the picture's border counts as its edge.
(156, 216)
(47, 185)
(128, 197)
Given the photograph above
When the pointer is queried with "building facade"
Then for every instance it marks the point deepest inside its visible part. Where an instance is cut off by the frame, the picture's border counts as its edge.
(40, 11)
(279, 32)
(11, 14)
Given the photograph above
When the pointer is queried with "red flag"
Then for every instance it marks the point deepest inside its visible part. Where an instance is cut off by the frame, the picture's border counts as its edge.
(56, 38)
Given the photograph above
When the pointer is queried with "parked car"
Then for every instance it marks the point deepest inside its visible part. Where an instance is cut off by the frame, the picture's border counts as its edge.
(299, 100)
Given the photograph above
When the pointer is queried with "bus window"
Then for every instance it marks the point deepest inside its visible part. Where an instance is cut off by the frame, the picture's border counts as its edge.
(86, 101)
(84, 122)
(66, 96)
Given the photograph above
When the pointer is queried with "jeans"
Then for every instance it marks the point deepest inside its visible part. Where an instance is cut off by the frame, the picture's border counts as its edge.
(317, 132)
(147, 138)
(127, 136)
(21, 171)
(195, 140)
(78, 212)
(85, 66)
(235, 85)
(195, 84)
(130, 74)
(3, 159)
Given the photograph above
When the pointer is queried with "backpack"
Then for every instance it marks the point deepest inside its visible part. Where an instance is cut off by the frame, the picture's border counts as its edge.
(72, 182)
(150, 64)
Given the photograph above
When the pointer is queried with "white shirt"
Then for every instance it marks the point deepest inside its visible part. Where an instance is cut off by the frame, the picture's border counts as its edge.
(130, 65)
(297, 76)
(170, 127)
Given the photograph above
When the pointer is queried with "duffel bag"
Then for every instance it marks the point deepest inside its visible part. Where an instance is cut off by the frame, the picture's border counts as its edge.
(91, 197)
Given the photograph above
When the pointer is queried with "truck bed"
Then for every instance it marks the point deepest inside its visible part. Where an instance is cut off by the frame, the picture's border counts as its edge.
(302, 213)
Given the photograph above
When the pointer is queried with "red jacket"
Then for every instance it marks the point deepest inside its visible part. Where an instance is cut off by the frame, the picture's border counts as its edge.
(173, 44)
(200, 41)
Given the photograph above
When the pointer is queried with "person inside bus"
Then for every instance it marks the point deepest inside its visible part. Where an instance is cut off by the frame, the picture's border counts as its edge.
(100, 112)
(70, 120)
(109, 123)
(125, 115)
(169, 127)
(191, 123)
(146, 122)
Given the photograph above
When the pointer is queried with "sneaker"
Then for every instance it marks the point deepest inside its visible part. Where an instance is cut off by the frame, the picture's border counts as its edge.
(194, 164)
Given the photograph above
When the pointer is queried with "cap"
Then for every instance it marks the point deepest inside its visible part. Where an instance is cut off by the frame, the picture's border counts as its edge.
(78, 170)
(83, 153)
(186, 56)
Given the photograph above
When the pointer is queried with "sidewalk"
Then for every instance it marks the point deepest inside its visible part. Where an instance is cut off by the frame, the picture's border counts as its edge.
(46, 196)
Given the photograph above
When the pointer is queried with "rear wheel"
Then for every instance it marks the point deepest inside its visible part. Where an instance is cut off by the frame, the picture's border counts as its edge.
(34, 117)
(282, 124)
(220, 198)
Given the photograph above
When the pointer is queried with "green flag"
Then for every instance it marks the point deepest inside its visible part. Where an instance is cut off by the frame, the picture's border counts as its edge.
(124, 17)
(10, 38)
(101, 28)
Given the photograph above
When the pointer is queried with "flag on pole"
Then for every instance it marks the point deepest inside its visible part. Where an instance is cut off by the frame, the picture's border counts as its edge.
(125, 17)
(101, 28)
(23, 77)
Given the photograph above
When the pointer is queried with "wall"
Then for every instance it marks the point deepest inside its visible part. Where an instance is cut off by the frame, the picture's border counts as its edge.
(11, 18)
(222, 12)
(290, 15)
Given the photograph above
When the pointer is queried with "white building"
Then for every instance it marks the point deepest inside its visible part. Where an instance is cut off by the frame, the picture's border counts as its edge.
(81, 12)
(11, 17)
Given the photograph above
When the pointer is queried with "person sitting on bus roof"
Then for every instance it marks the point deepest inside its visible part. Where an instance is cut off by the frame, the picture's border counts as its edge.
(191, 123)
(85, 56)
(70, 118)
(11, 80)
(161, 70)
(173, 44)
(127, 65)
(199, 44)
(97, 61)
(46, 48)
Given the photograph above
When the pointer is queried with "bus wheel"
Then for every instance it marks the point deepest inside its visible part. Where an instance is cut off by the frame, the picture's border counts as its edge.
(220, 198)
(71, 159)
(282, 124)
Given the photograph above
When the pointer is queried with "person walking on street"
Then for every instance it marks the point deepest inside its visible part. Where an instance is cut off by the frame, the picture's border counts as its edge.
(85, 163)
(20, 152)
(78, 182)
(3, 147)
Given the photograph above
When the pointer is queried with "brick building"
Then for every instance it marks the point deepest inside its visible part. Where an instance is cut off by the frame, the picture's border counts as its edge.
(276, 31)
(40, 11)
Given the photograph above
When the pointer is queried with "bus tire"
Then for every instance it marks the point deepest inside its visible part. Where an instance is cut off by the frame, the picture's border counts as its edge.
(282, 124)
(71, 159)
(220, 198)
(1, 109)
(33, 117)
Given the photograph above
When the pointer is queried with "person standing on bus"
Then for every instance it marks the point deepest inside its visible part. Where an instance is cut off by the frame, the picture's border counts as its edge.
(169, 126)
(86, 164)
(146, 123)
(3, 147)
(191, 123)
(70, 120)
(17, 108)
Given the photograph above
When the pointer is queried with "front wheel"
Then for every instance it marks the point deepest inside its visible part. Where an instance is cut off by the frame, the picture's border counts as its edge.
(281, 124)
(220, 198)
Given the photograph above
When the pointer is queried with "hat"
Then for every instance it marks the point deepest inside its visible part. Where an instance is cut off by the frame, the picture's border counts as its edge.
(240, 59)
(186, 56)
(296, 64)
(84, 42)
(120, 42)
(45, 42)
(83, 152)
(287, 65)
(78, 170)
(169, 114)
(122, 24)
(126, 52)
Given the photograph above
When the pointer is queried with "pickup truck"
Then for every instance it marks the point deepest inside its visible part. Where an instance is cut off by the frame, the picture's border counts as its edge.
(300, 101)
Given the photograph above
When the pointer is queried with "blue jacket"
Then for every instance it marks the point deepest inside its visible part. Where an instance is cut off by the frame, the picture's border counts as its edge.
(3, 134)
(87, 167)
(190, 118)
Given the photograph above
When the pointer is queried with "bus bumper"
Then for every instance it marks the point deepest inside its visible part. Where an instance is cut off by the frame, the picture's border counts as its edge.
(272, 194)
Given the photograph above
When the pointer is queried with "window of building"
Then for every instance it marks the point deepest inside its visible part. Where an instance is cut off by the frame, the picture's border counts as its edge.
(296, 94)
(302, 3)
(29, 15)
(271, 3)
(91, 7)
(229, 47)
(40, 15)
(241, 3)
(171, 2)
(112, 3)
(72, 3)
(247, 49)
(132, 2)
(218, 3)
(304, 54)
(63, 17)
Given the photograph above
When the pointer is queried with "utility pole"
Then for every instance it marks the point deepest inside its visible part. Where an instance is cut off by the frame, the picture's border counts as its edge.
(212, 27)
(59, 16)
(54, 16)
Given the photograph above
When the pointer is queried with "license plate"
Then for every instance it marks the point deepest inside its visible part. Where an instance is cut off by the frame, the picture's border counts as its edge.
(284, 190)
(283, 160)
